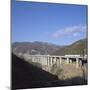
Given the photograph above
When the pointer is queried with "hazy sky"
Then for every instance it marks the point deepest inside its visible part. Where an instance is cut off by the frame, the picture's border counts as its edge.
(54, 23)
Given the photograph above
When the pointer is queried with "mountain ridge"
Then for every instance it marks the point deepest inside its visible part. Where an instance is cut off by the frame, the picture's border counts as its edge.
(38, 47)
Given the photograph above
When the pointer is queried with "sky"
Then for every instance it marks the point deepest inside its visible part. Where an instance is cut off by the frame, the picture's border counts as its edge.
(60, 24)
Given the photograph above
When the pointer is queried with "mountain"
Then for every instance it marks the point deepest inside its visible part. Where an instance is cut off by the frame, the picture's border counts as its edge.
(78, 47)
(34, 47)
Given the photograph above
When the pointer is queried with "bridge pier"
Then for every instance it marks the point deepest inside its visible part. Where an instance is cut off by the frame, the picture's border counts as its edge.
(60, 60)
(54, 60)
(47, 60)
(33, 59)
(70, 61)
(67, 60)
(77, 62)
(80, 63)
(51, 60)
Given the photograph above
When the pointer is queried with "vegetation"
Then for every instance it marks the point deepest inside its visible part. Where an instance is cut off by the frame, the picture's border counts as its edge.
(79, 47)
(27, 75)
(67, 71)
(34, 47)
(58, 71)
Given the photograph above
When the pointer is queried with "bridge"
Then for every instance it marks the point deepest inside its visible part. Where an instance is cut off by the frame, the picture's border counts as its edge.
(49, 60)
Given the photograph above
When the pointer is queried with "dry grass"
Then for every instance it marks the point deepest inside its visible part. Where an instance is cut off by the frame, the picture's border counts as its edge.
(68, 71)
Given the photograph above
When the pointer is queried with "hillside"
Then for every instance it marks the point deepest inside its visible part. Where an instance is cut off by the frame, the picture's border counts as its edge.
(25, 75)
(34, 47)
(78, 47)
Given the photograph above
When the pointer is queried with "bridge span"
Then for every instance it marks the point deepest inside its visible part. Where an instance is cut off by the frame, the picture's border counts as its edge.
(52, 59)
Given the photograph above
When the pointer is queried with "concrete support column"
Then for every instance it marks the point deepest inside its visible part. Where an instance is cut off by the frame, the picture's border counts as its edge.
(60, 60)
(67, 60)
(57, 61)
(77, 62)
(54, 60)
(33, 59)
(51, 60)
(44, 60)
(39, 59)
(80, 63)
(47, 60)
(70, 61)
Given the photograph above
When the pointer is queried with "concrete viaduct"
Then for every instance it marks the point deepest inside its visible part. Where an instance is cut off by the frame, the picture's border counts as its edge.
(51, 59)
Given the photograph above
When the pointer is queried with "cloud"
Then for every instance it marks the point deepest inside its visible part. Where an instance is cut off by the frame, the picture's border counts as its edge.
(70, 31)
